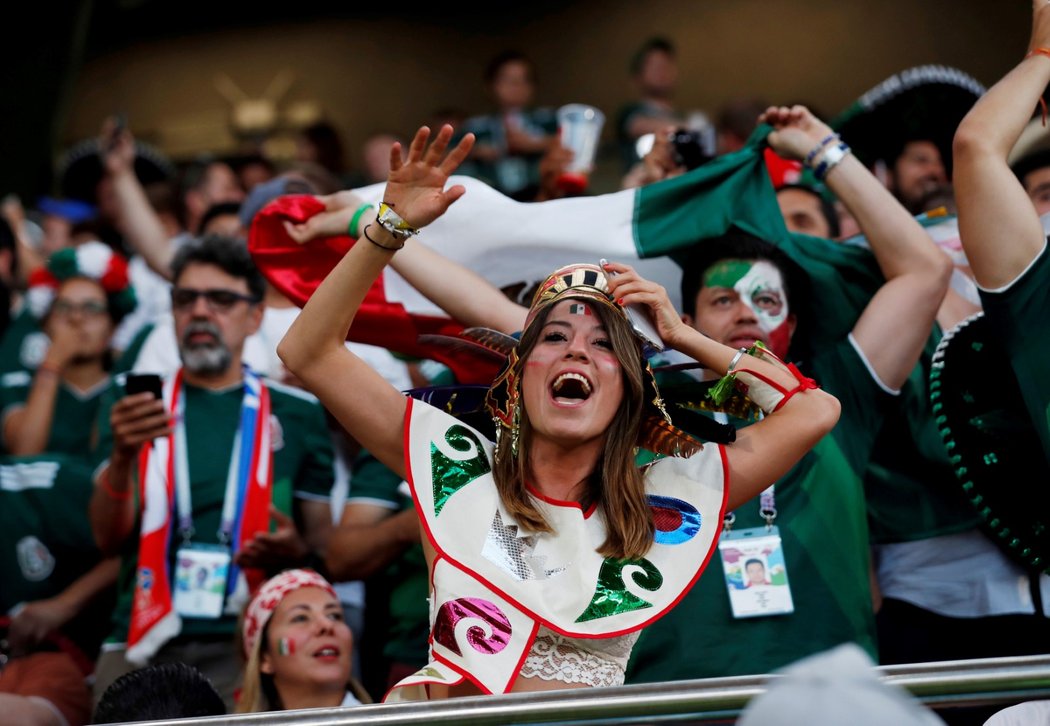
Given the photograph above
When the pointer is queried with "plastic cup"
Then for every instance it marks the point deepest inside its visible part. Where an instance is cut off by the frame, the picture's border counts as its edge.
(579, 128)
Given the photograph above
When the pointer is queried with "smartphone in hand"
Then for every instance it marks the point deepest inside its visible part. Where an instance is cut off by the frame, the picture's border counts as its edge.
(143, 382)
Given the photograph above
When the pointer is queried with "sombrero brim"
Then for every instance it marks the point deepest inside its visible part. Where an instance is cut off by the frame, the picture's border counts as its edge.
(921, 103)
(993, 447)
(80, 169)
(1032, 150)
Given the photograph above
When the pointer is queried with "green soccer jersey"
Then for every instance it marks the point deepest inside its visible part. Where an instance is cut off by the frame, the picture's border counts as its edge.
(822, 522)
(73, 421)
(45, 536)
(397, 597)
(23, 345)
(1018, 315)
(912, 491)
(511, 174)
(302, 467)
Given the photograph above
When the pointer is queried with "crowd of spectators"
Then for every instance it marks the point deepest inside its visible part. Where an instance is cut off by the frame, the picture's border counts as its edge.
(169, 491)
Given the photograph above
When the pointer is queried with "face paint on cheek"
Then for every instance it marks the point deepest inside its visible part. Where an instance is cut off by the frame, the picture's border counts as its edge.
(286, 646)
(780, 340)
(762, 283)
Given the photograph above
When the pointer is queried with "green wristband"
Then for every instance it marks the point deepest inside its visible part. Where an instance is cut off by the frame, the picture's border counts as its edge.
(352, 229)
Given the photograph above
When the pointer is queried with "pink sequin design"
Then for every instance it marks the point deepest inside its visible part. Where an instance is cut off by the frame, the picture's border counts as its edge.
(472, 607)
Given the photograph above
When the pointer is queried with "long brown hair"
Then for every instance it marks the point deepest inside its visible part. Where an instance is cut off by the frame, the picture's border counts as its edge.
(616, 485)
(257, 690)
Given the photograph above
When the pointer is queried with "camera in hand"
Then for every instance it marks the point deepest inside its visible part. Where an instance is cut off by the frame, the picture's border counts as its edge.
(692, 147)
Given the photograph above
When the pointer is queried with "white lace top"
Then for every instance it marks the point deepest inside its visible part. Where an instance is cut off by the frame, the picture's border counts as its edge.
(590, 661)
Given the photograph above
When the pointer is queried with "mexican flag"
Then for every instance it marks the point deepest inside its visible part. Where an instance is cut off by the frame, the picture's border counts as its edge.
(509, 242)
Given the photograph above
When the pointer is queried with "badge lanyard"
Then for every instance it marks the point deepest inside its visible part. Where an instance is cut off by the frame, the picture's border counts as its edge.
(238, 474)
(767, 591)
(234, 488)
(767, 500)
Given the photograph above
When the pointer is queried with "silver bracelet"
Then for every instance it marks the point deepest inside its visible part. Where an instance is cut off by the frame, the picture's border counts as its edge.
(736, 359)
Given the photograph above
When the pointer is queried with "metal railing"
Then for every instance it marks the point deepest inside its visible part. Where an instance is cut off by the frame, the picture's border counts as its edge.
(947, 684)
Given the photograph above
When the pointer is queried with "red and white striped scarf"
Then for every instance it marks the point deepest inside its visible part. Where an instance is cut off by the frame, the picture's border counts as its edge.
(153, 619)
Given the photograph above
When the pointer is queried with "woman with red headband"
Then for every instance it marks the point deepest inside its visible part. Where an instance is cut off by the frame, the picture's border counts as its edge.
(297, 646)
(550, 550)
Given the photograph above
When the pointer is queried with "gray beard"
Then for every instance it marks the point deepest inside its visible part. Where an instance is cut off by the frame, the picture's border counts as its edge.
(207, 360)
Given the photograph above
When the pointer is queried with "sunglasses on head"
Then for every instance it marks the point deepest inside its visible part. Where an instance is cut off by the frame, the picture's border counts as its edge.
(183, 298)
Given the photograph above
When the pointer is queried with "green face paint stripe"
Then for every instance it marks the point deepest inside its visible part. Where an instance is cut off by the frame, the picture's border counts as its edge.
(726, 273)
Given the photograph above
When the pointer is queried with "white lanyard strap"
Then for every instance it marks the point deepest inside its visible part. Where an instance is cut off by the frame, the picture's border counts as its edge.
(183, 499)
(767, 500)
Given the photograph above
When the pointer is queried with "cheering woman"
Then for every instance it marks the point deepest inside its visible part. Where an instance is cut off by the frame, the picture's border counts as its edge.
(550, 549)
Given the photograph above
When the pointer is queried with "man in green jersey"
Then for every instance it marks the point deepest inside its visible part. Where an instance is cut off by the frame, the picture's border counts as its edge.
(224, 479)
(812, 523)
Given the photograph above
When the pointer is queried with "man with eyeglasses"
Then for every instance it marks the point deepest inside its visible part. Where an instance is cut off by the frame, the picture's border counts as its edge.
(227, 474)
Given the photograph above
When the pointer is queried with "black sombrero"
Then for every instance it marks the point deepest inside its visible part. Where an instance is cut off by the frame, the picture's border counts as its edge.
(920, 103)
(993, 448)
(80, 169)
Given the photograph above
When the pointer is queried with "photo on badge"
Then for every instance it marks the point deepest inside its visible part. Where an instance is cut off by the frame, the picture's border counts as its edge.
(755, 572)
(201, 572)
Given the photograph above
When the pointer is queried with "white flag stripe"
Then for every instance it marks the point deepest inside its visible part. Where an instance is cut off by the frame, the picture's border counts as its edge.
(507, 242)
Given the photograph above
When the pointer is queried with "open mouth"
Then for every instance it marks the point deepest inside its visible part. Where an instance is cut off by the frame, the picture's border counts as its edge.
(328, 651)
(201, 339)
(570, 388)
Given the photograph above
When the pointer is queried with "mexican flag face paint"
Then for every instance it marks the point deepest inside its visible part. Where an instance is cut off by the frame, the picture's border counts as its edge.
(286, 646)
(760, 286)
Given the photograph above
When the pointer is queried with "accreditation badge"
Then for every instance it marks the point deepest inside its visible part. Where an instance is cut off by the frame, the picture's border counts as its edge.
(201, 572)
(755, 572)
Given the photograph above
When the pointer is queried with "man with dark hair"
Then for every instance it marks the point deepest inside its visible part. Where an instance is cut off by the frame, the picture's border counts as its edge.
(736, 120)
(903, 127)
(654, 72)
(511, 140)
(222, 219)
(807, 211)
(739, 289)
(153, 693)
(1029, 160)
(755, 571)
(203, 184)
(237, 455)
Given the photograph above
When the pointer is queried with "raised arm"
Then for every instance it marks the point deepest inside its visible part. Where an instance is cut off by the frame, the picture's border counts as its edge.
(764, 451)
(136, 220)
(999, 227)
(436, 277)
(313, 349)
(895, 325)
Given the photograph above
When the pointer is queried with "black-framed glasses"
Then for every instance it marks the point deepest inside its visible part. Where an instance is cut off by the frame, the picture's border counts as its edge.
(217, 299)
(88, 308)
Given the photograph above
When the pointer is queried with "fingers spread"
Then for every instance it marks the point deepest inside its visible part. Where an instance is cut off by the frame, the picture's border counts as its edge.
(395, 156)
(437, 147)
(419, 142)
(458, 154)
(453, 193)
